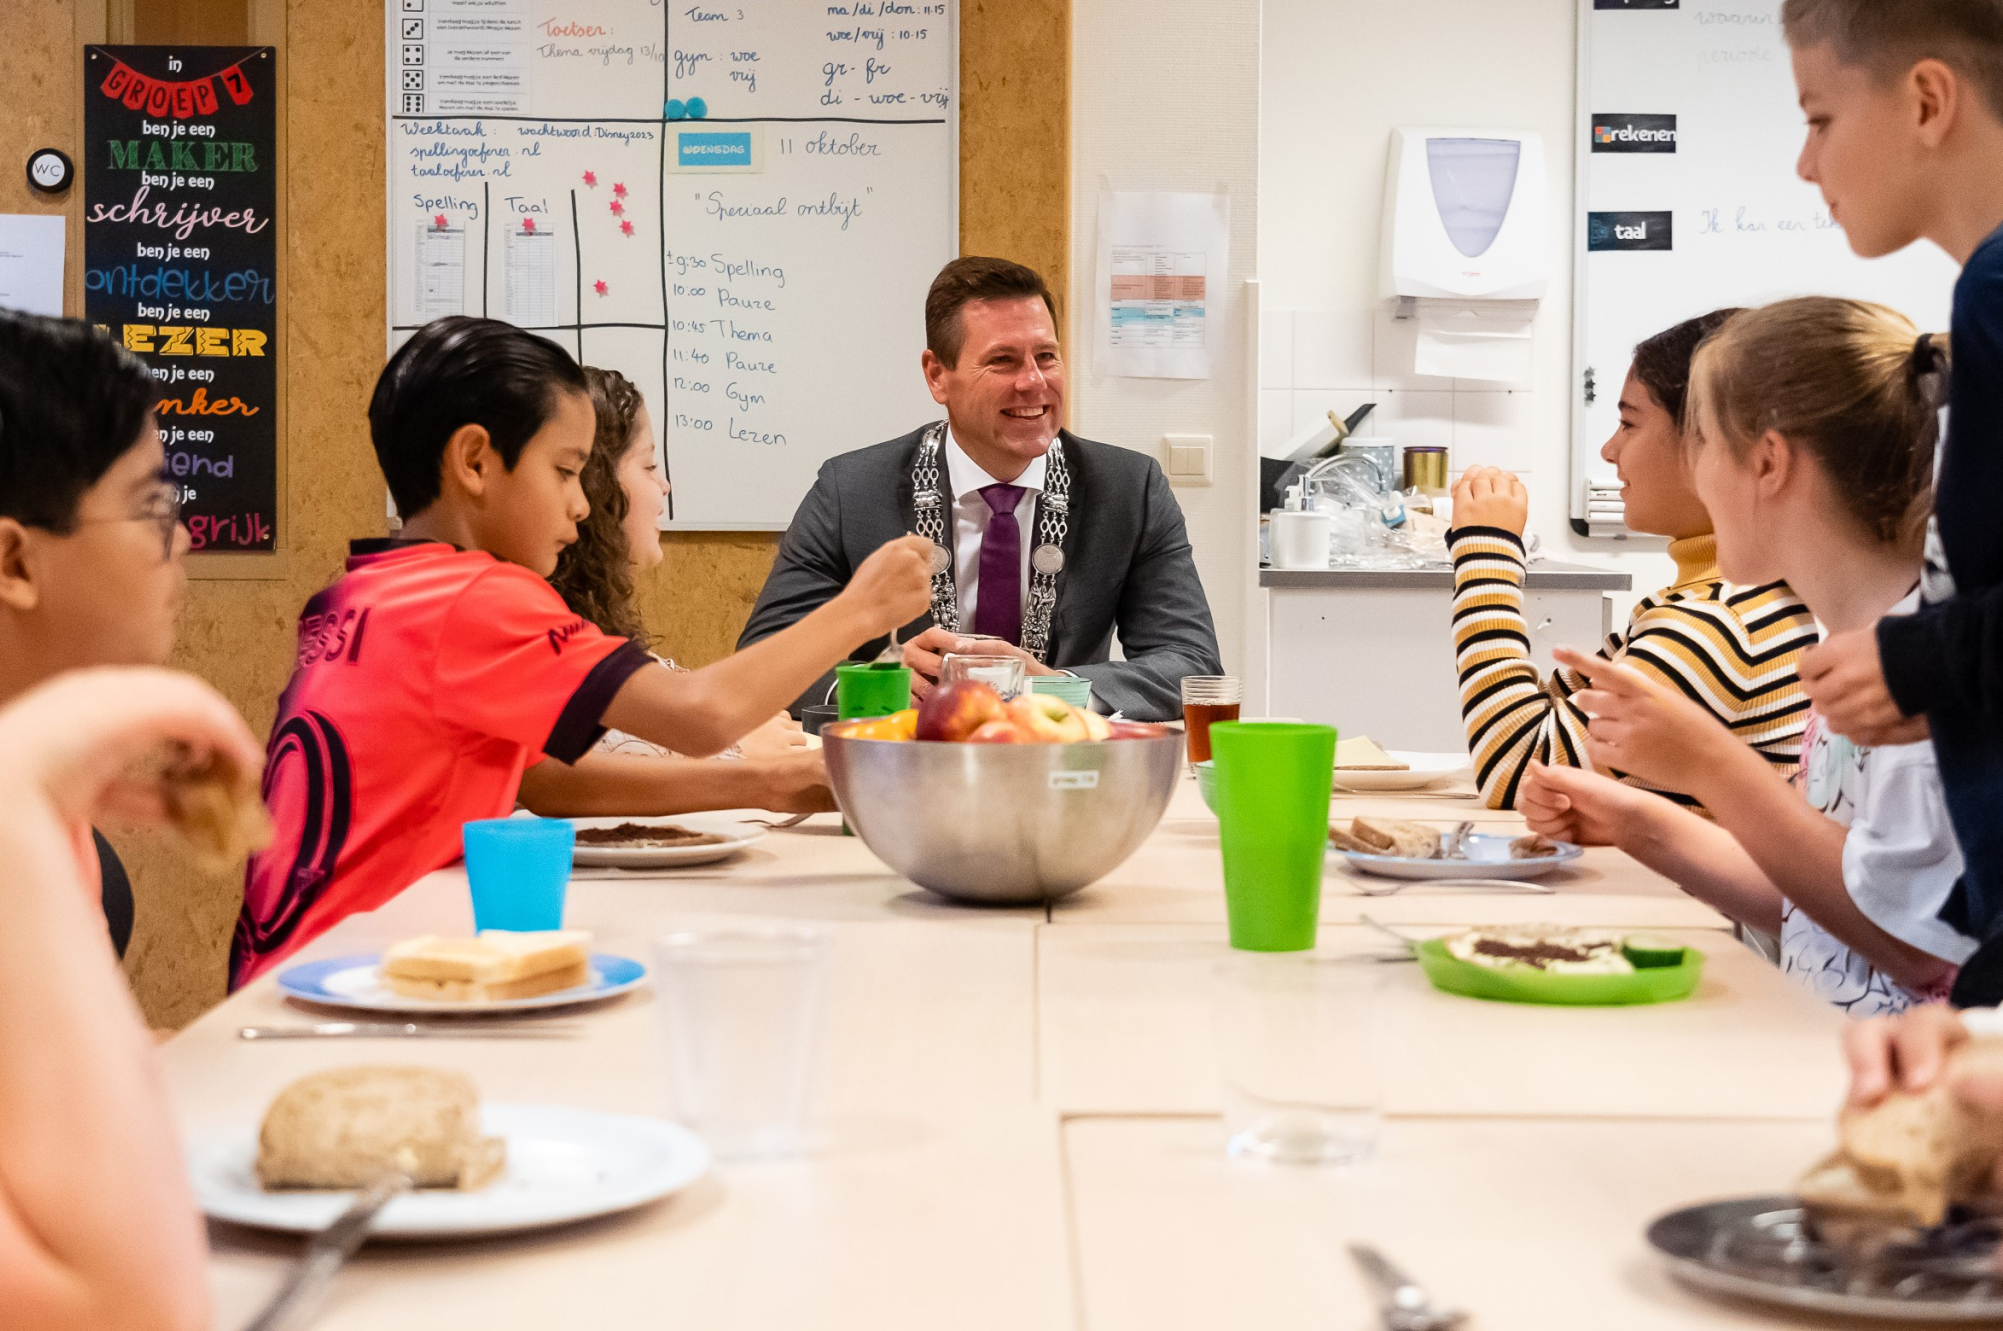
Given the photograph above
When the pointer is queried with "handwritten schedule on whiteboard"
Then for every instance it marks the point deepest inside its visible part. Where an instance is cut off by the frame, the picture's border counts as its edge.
(738, 206)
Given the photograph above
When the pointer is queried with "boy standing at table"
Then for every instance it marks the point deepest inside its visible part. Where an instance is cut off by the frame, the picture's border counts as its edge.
(1904, 100)
(442, 663)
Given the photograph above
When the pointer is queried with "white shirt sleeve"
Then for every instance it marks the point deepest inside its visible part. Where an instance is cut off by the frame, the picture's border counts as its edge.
(1900, 860)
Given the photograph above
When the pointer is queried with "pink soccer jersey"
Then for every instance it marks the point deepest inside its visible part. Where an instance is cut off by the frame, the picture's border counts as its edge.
(427, 679)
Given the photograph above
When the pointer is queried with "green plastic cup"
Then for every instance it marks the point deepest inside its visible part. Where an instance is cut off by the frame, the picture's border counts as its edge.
(875, 688)
(1273, 781)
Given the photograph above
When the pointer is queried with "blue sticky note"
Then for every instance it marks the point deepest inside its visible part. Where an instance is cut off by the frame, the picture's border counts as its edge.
(713, 148)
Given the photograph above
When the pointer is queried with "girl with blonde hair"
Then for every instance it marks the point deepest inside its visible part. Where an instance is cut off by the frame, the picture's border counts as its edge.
(1812, 427)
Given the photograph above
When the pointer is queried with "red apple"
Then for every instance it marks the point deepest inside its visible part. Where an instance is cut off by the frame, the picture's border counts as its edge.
(1096, 727)
(1048, 719)
(955, 710)
(1003, 730)
(1136, 730)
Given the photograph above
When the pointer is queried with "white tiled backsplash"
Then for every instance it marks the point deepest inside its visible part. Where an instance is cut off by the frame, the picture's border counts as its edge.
(1315, 361)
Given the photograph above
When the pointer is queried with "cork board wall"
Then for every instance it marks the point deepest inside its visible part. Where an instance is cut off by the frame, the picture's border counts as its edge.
(237, 632)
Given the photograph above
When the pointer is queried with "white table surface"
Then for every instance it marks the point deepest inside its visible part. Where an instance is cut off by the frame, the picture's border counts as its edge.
(972, 1176)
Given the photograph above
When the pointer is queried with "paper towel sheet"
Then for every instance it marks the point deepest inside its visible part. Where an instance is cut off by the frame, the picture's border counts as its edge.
(1475, 342)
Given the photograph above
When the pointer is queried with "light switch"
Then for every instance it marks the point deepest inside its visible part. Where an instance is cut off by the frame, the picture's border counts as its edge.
(1186, 458)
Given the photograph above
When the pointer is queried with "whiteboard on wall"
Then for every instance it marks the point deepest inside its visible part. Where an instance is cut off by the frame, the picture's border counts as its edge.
(737, 205)
(1687, 198)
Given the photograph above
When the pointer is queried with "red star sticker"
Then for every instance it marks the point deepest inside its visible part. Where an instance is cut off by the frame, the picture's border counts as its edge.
(591, 177)
(617, 207)
(528, 224)
(626, 228)
(620, 190)
(439, 221)
(599, 286)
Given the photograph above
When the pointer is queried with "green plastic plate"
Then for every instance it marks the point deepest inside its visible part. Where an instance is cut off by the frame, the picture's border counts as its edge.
(1521, 984)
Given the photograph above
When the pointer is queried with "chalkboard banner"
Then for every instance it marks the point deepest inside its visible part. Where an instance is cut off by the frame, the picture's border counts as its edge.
(181, 264)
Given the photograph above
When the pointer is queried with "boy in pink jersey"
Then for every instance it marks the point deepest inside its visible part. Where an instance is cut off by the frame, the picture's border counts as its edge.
(442, 664)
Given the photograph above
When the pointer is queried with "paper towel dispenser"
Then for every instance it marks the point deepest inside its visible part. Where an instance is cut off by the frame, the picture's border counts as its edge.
(1467, 215)
(1467, 247)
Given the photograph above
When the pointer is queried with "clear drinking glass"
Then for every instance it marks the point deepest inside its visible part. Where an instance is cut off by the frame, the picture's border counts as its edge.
(1004, 674)
(740, 1017)
(1297, 1037)
(1206, 700)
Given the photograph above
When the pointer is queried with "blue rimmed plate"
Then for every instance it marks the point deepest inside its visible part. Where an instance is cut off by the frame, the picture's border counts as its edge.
(356, 983)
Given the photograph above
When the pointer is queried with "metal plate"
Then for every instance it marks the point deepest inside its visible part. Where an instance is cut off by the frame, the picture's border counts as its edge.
(1762, 1249)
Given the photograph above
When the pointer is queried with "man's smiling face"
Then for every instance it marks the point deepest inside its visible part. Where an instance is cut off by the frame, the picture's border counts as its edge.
(1005, 393)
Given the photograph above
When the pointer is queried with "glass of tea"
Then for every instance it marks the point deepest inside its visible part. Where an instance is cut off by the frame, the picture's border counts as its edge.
(1207, 699)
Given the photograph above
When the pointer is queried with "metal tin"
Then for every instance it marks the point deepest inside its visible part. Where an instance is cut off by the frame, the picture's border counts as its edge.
(1426, 469)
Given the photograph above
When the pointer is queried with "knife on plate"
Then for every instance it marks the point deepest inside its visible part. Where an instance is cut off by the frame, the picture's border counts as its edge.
(398, 1030)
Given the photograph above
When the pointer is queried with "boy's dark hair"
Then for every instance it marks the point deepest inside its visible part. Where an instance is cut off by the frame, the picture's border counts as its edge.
(1662, 363)
(1890, 36)
(72, 402)
(462, 371)
(971, 278)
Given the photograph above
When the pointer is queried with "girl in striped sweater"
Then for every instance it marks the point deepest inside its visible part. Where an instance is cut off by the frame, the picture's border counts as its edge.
(1733, 649)
(1815, 422)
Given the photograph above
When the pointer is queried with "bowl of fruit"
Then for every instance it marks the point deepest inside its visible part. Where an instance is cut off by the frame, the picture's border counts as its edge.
(1002, 803)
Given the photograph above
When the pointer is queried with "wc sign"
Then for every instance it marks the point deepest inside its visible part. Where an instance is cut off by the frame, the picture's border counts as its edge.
(1613, 133)
(1628, 231)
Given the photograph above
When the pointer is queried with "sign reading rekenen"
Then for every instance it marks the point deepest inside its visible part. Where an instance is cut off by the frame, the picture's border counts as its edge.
(1615, 132)
(181, 264)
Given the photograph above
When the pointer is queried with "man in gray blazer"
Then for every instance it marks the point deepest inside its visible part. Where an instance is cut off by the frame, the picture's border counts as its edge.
(1046, 543)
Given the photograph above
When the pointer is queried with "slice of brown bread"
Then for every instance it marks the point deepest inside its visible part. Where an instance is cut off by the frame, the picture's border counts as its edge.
(1397, 837)
(1912, 1156)
(347, 1127)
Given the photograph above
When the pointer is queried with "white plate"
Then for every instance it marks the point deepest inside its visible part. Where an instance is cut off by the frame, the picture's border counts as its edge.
(356, 983)
(737, 835)
(563, 1165)
(1487, 857)
(1427, 769)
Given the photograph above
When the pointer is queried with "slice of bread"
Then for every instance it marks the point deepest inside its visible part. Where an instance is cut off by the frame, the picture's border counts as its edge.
(495, 957)
(1362, 754)
(1911, 1156)
(490, 991)
(347, 1127)
(1392, 836)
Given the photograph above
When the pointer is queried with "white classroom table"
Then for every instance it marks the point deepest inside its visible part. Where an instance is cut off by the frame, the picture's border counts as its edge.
(1018, 1117)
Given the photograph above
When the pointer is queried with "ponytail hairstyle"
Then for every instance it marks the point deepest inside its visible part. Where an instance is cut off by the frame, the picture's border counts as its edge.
(594, 574)
(1851, 382)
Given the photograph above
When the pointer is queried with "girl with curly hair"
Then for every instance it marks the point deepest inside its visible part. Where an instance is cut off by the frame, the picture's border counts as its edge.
(773, 768)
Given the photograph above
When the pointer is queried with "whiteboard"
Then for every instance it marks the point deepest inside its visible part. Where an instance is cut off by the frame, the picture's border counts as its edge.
(737, 205)
(1743, 229)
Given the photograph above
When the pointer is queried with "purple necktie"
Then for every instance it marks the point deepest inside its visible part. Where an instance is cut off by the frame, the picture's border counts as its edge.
(998, 602)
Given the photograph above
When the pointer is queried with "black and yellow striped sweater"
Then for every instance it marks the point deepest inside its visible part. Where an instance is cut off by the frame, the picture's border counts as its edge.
(1733, 649)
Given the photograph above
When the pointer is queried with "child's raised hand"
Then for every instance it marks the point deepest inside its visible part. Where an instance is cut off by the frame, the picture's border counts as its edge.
(1584, 808)
(76, 740)
(894, 585)
(1644, 728)
(1491, 497)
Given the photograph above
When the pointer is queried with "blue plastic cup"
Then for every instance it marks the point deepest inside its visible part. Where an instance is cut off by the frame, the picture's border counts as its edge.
(518, 869)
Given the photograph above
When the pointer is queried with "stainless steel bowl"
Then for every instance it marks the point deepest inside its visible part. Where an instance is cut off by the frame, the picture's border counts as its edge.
(1003, 824)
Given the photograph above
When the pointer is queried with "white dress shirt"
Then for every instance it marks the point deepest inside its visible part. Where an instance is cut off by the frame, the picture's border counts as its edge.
(971, 514)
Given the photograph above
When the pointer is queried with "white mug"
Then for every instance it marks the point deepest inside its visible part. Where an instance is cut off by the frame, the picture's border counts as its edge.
(1300, 540)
